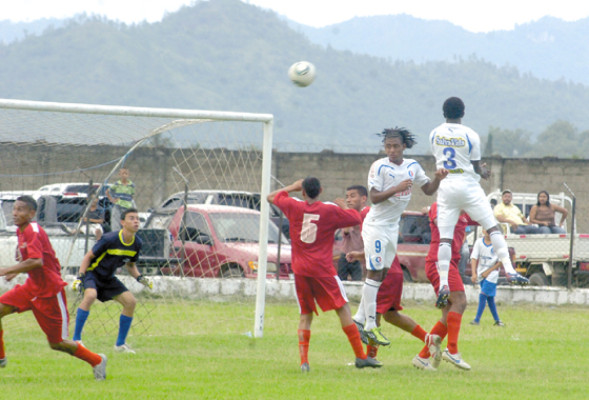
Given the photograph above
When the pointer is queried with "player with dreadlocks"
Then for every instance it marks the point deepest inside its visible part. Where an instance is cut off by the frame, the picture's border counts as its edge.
(390, 183)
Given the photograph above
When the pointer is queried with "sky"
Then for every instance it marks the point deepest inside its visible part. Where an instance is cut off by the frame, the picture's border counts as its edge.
(472, 15)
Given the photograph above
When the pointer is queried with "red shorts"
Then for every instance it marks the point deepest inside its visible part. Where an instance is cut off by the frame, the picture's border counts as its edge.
(390, 292)
(329, 293)
(51, 312)
(454, 279)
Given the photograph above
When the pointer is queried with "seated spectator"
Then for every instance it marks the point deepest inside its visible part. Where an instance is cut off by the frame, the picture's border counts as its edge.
(94, 219)
(511, 214)
(543, 214)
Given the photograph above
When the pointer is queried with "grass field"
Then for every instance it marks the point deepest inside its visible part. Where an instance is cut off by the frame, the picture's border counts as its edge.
(539, 355)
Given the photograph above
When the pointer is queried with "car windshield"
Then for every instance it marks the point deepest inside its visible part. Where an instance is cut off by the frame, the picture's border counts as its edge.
(242, 227)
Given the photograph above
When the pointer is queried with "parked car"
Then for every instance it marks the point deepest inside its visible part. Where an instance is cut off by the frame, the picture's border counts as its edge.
(7, 199)
(217, 241)
(227, 198)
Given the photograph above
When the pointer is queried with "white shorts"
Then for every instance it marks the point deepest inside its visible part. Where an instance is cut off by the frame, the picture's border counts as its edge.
(380, 245)
(457, 195)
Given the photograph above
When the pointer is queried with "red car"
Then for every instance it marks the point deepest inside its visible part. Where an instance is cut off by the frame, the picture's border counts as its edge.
(222, 241)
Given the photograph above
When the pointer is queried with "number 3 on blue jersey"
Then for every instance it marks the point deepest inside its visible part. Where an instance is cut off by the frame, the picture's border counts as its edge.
(450, 153)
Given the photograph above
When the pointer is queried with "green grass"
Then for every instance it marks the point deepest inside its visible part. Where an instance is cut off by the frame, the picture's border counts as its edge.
(539, 355)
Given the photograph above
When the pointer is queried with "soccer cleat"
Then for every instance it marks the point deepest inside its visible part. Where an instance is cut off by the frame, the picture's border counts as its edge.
(377, 337)
(423, 363)
(305, 367)
(100, 369)
(517, 279)
(363, 336)
(433, 343)
(3, 362)
(474, 322)
(124, 348)
(499, 323)
(368, 362)
(456, 360)
(443, 295)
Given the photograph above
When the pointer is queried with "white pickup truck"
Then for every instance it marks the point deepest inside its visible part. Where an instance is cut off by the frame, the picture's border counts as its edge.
(544, 258)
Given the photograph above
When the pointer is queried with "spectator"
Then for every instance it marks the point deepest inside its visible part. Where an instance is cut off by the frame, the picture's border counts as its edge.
(92, 222)
(511, 214)
(352, 236)
(543, 214)
(121, 195)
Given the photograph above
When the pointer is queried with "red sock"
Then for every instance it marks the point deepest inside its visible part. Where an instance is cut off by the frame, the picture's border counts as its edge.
(419, 333)
(371, 351)
(84, 354)
(304, 339)
(454, 320)
(2, 351)
(439, 329)
(354, 338)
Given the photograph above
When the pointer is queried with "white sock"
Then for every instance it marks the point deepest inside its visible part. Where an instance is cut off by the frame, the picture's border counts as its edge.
(360, 315)
(444, 256)
(500, 246)
(369, 293)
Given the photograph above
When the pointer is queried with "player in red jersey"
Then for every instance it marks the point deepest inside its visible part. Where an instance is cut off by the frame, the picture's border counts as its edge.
(42, 292)
(312, 227)
(388, 305)
(452, 312)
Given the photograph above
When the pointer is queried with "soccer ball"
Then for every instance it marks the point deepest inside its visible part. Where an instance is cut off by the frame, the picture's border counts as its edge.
(302, 73)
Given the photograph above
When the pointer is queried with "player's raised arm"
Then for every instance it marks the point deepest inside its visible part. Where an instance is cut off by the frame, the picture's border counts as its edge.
(296, 186)
(433, 185)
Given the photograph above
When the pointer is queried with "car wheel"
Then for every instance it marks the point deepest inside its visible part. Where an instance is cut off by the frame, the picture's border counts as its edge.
(539, 279)
(231, 271)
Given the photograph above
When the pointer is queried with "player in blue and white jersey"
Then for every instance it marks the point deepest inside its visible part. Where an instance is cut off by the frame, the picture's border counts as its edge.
(457, 148)
(390, 183)
(98, 281)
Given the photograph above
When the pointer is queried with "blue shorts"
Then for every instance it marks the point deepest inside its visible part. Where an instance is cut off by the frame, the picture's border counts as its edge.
(488, 288)
(106, 289)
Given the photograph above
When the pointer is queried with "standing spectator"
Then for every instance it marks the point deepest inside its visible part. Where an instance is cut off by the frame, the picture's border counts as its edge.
(312, 227)
(485, 267)
(43, 291)
(509, 213)
(457, 148)
(352, 236)
(543, 214)
(390, 183)
(97, 277)
(121, 196)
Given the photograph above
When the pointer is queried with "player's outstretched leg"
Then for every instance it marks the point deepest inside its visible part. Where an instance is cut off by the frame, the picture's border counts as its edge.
(443, 294)
(377, 337)
(363, 335)
(100, 369)
(423, 363)
(517, 279)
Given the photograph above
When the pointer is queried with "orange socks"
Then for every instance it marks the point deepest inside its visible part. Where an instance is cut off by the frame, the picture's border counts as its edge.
(438, 329)
(419, 333)
(304, 339)
(454, 320)
(84, 354)
(354, 338)
(371, 351)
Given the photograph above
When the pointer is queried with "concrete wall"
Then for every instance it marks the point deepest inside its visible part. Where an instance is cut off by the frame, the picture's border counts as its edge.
(29, 167)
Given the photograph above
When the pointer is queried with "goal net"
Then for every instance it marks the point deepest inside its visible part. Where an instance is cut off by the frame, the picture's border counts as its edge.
(200, 181)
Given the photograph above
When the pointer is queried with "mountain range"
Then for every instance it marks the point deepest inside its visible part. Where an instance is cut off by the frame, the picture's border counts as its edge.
(373, 72)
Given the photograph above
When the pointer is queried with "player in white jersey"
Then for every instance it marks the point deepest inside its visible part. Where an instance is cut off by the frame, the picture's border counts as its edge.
(457, 148)
(390, 182)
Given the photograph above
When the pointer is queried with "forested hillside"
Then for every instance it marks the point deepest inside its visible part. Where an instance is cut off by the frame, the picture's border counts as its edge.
(227, 55)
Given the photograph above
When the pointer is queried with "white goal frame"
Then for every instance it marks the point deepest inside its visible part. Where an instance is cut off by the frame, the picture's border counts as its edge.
(183, 117)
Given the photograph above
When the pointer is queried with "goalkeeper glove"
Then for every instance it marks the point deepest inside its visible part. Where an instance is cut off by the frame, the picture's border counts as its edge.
(145, 281)
(78, 284)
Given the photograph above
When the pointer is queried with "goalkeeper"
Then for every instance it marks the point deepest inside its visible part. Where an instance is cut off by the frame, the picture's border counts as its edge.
(97, 278)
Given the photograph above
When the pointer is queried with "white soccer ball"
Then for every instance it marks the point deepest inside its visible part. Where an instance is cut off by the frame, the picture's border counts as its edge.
(302, 73)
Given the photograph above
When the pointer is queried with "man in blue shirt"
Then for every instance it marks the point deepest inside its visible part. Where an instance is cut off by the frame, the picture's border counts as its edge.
(97, 276)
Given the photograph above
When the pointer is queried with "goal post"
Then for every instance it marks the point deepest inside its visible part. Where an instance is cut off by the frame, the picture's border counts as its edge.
(50, 142)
